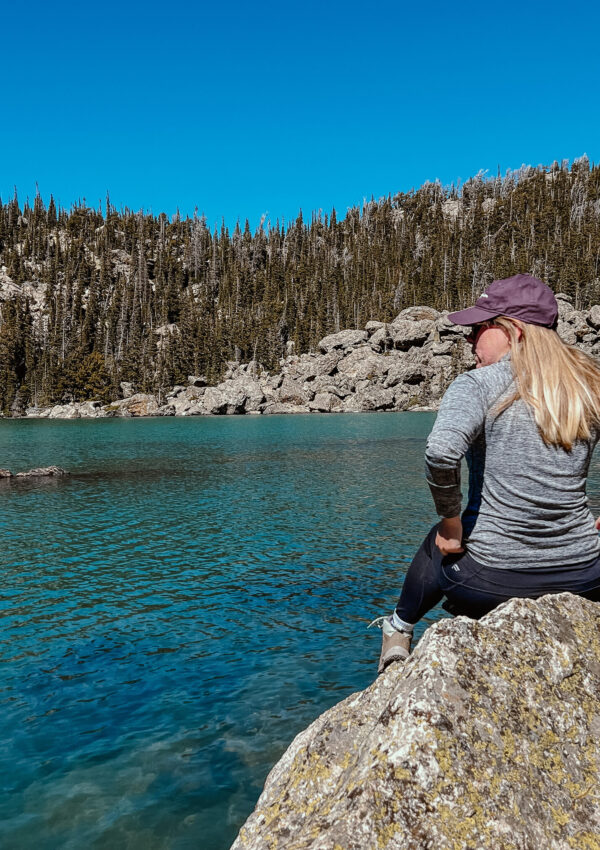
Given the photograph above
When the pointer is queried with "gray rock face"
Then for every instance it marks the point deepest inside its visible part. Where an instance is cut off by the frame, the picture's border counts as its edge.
(487, 738)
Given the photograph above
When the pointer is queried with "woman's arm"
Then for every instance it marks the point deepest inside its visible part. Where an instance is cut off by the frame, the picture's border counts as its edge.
(449, 536)
(459, 422)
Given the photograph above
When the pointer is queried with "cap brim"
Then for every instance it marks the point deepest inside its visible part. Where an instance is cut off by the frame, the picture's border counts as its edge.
(472, 316)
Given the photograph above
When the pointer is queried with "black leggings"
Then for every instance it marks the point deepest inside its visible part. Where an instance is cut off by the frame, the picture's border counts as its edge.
(474, 590)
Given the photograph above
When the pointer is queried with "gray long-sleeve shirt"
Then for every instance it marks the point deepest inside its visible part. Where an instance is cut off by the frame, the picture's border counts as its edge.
(527, 505)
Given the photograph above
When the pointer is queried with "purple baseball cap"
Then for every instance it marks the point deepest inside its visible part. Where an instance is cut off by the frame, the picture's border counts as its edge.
(519, 297)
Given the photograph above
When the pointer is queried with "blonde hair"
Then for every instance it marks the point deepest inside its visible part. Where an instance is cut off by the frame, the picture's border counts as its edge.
(559, 383)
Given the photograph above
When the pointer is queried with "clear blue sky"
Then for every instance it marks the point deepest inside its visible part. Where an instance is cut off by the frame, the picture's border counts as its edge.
(244, 109)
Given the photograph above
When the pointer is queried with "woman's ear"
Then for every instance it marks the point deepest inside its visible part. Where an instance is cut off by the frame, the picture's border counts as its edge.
(518, 331)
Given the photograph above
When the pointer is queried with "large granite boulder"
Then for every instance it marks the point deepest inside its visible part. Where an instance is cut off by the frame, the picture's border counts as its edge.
(307, 367)
(326, 364)
(242, 393)
(187, 403)
(64, 411)
(363, 364)
(139, 404)
(446, 328)
(324, 403)
(381, 339)
(72, 410)
(372, 326)
(291, 392)
(565, 305)
(487, 738)
(578, 322)
(127, 389)
(417, 314)
(376, 398)
(217, 401)
(406, 371)
(303, 368)
(594, 317)
(197, 380)
(566, 332)
(343, 339)
(408, 332)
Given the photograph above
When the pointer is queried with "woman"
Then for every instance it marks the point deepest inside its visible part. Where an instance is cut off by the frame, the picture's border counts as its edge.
(527, 420)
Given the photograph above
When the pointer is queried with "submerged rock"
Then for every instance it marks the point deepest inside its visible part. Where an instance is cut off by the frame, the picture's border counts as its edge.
(488, 737)
(42, 472)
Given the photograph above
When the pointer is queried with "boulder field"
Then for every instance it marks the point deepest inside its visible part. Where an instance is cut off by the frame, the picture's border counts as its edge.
(487, 738)
(406, 364)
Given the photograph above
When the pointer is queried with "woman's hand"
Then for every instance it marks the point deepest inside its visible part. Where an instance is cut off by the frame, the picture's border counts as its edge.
(598, 524)
(449, 536)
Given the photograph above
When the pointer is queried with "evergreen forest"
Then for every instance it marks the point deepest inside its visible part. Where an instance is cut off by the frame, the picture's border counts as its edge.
(93, 297)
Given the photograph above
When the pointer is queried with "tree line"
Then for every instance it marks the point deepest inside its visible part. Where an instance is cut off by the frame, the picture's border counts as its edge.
(93, 297)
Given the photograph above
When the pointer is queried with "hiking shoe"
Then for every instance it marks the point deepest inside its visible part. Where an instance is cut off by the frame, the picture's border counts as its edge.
(395, 645)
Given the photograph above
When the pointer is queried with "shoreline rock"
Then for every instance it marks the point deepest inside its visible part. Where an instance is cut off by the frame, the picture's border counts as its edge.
(487, 737)
(406, 364)
(37, 472)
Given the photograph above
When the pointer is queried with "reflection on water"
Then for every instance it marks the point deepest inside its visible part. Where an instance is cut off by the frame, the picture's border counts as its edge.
(175, 611)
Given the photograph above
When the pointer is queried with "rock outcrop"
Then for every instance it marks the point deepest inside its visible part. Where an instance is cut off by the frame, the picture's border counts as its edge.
(38, 472)
(488, 737)
(400, 365)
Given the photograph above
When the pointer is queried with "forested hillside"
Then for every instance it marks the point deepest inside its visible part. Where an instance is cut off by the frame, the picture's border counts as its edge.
(93, 297)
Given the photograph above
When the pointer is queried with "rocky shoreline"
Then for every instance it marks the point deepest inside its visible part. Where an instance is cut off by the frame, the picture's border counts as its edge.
(406, 364)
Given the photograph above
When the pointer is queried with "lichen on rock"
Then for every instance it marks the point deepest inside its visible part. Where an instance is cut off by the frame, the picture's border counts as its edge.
(488, 737)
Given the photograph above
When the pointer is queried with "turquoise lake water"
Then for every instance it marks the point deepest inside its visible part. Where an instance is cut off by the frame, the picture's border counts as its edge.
(194, 595)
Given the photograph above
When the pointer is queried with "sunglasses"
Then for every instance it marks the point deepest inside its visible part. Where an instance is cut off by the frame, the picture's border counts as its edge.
(476, 330)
